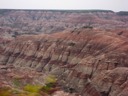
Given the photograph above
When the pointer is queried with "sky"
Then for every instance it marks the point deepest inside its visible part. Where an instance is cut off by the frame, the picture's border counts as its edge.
(115, 5)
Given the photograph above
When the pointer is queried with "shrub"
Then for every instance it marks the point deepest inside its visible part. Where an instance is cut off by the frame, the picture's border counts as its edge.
(17, 82)
(32, 88)
(50, 84)
(49, 88)
(29, 94)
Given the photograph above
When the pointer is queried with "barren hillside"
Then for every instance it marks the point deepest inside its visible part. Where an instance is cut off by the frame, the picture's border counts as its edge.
(88, 61)
(86, 58)
(18, 22)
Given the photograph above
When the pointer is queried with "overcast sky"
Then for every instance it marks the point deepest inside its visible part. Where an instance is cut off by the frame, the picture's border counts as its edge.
(115, 5)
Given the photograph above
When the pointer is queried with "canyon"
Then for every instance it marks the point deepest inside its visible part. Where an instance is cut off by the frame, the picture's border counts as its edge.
(85, 50)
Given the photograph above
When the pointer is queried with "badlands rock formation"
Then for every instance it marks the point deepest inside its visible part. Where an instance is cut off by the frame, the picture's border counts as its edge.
(87, 61)
(19, 22)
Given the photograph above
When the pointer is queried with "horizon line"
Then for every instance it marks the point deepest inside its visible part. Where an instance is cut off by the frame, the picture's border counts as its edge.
(60, 9)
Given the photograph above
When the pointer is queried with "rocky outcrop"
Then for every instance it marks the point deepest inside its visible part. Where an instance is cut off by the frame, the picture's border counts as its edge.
(113, 82)
(88, 61)
(19, 22)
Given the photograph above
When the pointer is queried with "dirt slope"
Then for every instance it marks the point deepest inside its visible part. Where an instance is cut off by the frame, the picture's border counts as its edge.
(88, 61)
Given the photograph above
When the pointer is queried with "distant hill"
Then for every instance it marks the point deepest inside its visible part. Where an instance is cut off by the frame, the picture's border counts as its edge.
(123, 13)
(14, 22)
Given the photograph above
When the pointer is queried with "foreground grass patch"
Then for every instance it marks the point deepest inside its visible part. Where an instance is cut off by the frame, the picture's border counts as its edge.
(19, 88)
(32, 88)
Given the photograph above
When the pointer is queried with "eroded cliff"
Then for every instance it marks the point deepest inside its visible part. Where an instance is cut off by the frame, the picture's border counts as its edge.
(18, 22)
(90, 62)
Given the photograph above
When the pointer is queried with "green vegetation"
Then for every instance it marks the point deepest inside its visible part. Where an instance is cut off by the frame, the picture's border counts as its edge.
(32, 88)
(11, 92)
(50, 84)
(29, 94)
(48, 88)
(16, 82)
